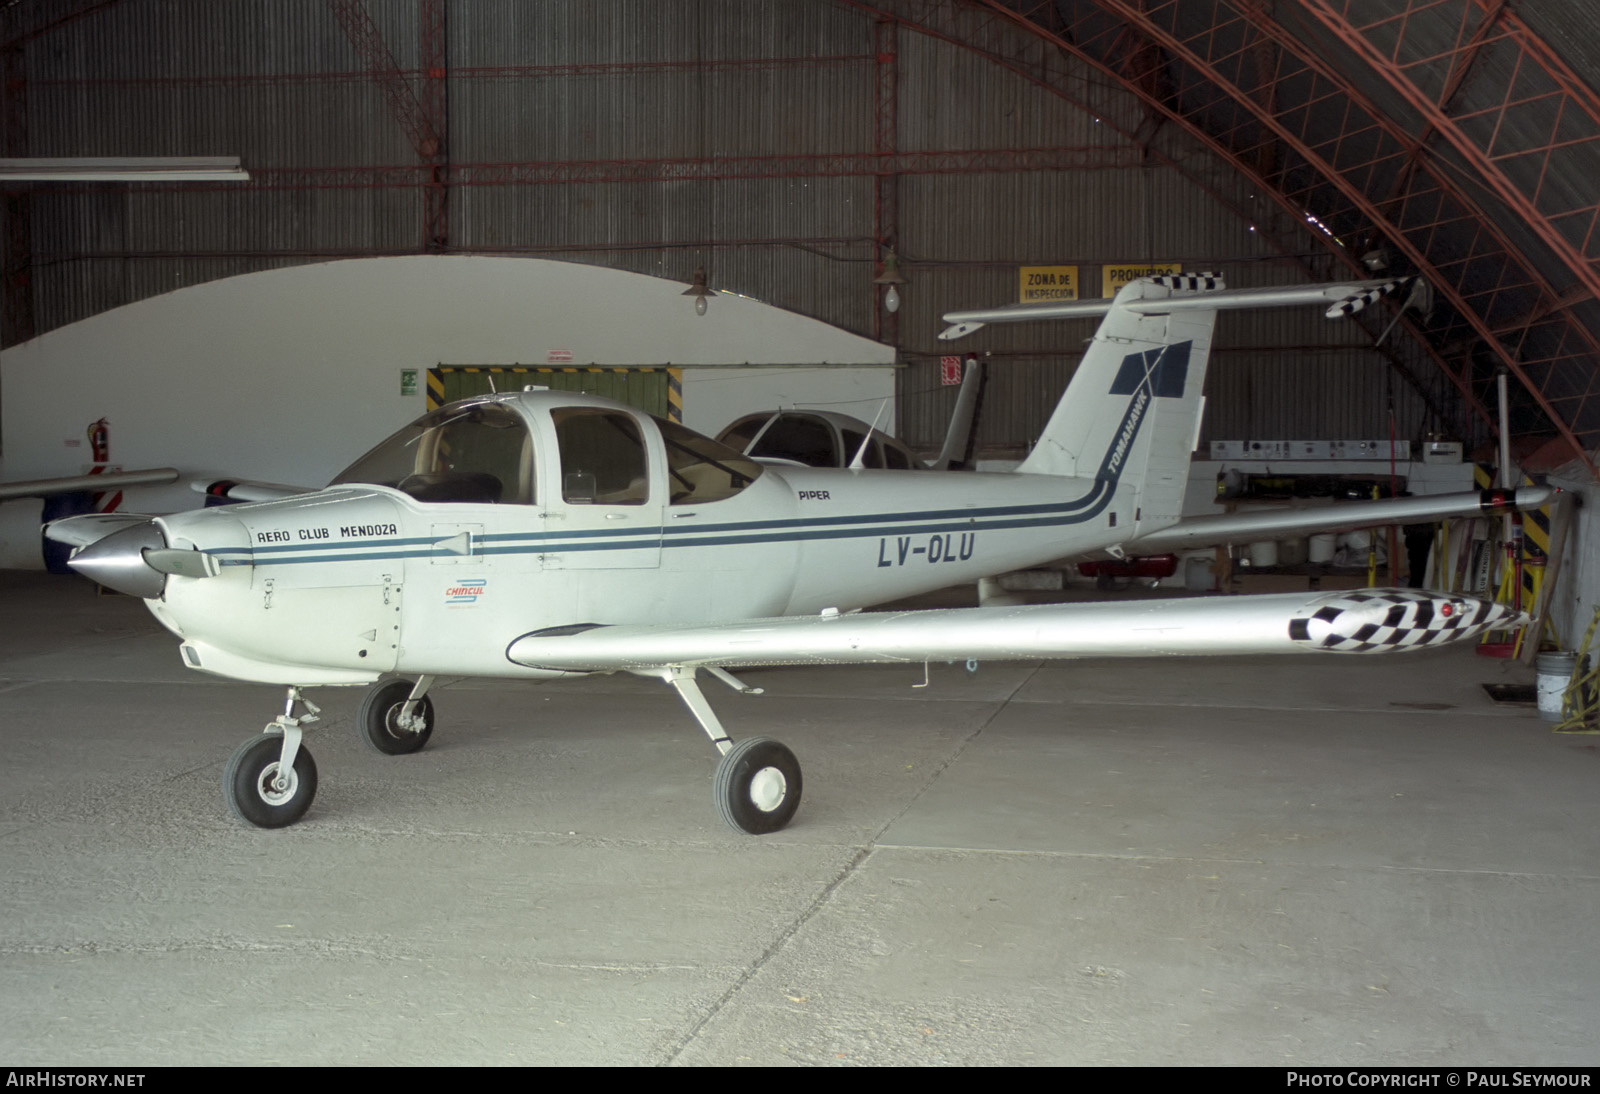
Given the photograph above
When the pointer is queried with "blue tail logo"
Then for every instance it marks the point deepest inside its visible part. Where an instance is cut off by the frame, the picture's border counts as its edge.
(1163, 372)
(1153, 374)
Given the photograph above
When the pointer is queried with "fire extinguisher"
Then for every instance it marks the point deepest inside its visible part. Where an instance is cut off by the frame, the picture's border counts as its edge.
(105, 501)
(99, 441)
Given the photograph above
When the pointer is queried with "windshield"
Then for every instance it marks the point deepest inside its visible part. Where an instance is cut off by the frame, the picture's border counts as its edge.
(701, 469)
(465, 452)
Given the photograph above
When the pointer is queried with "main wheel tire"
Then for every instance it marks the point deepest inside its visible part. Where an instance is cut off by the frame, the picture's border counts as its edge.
(758, 786)
(250, 777)
(379, 714)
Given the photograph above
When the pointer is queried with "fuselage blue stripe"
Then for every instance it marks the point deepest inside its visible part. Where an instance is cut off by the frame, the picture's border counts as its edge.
(629, 540)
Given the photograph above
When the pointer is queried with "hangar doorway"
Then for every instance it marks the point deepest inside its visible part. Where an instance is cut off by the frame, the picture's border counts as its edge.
(652, 389)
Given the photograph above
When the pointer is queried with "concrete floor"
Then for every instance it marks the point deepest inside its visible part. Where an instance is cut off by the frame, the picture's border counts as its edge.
(1291, 861)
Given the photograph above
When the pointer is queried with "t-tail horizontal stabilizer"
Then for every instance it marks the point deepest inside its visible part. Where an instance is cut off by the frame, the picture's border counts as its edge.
(1208, 292)
(1130, 416)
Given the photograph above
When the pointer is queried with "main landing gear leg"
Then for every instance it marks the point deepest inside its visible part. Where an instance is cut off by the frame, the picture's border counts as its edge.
(270, 780)
(757, 785)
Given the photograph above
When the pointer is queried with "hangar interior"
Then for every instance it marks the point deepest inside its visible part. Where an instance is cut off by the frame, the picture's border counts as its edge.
(1224, 862)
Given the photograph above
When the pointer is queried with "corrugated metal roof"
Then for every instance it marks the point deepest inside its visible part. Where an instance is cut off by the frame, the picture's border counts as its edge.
(719, 88)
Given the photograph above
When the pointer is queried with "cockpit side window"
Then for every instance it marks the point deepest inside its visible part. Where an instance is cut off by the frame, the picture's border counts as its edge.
(701, 469)
(475, 452)
(602, 457)
(739, 435)
(801, 438)
(853, 442)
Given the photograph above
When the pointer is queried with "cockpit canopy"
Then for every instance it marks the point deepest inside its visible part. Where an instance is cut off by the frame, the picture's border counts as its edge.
(489, 451)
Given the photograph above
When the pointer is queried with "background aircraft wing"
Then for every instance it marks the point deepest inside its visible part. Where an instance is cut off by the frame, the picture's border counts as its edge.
(1278, 523)
(247, 490)
(1358, 621)
(80, 531)
(110, 480)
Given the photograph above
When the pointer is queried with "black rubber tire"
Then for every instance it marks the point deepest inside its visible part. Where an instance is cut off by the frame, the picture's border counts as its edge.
(246, 782)
(757, 786)
(379, 709)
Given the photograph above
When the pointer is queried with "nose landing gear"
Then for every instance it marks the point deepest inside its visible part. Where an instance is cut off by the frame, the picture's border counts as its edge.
(270, 780)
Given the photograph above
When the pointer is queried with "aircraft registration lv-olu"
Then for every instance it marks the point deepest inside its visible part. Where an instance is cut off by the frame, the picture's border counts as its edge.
(543, 535)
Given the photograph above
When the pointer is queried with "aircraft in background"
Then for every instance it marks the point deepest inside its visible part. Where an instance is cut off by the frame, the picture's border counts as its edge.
(827, 438)
(816, 438)
(543, 535)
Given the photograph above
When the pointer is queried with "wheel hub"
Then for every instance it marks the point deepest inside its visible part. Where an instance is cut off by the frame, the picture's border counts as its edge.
(276, 788)
(768, 788)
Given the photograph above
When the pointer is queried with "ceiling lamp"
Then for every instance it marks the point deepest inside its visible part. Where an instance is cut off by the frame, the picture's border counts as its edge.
(124, 169)
(698, 290)
(890, 277)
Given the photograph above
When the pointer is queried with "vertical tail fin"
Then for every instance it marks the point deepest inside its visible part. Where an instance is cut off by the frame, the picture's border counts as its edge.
(962, 431)
(1130, 415)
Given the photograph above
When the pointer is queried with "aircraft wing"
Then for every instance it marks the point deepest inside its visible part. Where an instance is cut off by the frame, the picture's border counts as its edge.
(1258, 524)
(80, 531)
(1358, 621)
(110, 480)
(247, 490)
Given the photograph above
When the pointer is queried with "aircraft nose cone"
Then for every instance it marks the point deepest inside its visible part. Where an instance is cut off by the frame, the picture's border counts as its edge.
(117, 561)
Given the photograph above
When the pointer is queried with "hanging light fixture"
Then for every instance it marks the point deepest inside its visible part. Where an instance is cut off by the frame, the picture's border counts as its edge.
(698, 290)
(891, 278)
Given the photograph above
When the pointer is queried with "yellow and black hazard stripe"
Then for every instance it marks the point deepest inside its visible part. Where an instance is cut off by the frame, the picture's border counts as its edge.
(1535, 533)
(1536, 528)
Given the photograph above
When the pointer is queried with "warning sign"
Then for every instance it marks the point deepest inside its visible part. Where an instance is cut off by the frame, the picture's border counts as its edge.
(949, 371)
(1046, 284)
(1113, 278)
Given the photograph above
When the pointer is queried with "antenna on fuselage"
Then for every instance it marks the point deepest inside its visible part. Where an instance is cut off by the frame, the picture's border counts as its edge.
(859, 464)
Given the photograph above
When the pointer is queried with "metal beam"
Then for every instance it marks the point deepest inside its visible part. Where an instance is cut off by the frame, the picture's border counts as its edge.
(1334, 168)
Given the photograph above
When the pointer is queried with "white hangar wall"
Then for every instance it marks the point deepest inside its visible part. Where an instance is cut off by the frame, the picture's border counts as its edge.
(288, 375)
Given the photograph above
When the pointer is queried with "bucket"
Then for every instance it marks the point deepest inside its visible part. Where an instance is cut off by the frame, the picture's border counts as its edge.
(1554, 673)
(1320, 547)
(1264, 553)
(1198, 575)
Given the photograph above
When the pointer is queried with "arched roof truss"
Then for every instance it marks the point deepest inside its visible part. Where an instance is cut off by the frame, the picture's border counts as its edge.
(1445, 135)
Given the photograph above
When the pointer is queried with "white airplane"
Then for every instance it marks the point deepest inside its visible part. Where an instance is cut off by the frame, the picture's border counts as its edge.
(541, 535)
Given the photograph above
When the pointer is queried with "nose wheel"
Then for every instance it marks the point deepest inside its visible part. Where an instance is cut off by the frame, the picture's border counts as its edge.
(270, 780)
(263, 790)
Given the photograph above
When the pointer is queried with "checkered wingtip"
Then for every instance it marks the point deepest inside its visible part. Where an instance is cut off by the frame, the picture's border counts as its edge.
(1386, 620)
